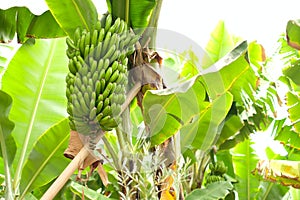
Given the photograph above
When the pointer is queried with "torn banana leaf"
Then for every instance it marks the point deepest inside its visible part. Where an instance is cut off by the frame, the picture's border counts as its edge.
(285, 172)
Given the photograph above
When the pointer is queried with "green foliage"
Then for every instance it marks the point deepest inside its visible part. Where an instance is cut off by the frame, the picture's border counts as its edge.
(21, 21)
(88, 193)
(214, 110)
(71, 14)
(220, 43)
(8, 145)
(244, 160)
(136, 13)
(292, 31)
(39, 101)
(217, 190)
(7, 142)
(41, 166)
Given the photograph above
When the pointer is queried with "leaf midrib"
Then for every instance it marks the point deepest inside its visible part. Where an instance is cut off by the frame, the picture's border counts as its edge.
(33, 116)
(43, 165)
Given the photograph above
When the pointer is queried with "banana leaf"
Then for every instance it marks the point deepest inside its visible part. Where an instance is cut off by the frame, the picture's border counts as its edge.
(285, 172)
(41, 167)
(292, 33)
(244, 161)
(220, 43)
(71, 14)
(217, 190)
(22, 21)
(35, 78)
(7, 142)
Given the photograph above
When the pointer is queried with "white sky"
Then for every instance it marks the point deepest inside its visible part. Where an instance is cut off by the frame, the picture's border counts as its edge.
(261, 20)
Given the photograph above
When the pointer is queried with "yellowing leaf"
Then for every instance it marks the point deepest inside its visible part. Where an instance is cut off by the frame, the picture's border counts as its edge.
(284, 172)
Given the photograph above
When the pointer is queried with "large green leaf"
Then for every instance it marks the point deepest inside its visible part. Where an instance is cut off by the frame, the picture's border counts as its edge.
(20, 20)
(35, 79)
(204, 127)
(231, 73)
(7, 142)
(8, 145)
(42, 164)
(244, 161)
(167, 110)
(71, 14)
(217, 190)
(220, 43)
(137, 12)
(293, 33)
(184, 108)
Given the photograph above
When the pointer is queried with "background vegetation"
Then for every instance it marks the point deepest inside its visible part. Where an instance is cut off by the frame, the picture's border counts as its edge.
(218, 102)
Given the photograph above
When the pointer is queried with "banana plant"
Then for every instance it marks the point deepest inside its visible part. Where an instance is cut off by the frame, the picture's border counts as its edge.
(173, 142)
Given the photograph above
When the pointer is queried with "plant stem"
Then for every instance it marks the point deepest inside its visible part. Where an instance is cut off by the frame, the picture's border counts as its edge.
(111, 152)
(121, 140)
(127, 5)
(131, 94)
(9, 189)
(66, 174)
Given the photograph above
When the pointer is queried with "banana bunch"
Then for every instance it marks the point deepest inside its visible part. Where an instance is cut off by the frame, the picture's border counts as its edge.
(217, 172)
(97, 78)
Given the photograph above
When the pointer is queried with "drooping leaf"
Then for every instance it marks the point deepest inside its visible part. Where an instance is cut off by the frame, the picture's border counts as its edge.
(167, 110)
(88, 193)
(285, 172)
(35, 79)
(244, 161)
(231, 73)
(293, 103)
(8, 145)
(71, 14)
(293, 33)
(6, 52)
(288, 137)
(217, 190)
(42, 164)
(204, 127)
(220, 43)
(20, 20)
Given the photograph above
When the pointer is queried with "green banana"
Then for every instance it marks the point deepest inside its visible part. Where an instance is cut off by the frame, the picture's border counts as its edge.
(72, 67)
(108, 22)
(70, 44)
(108, 74)
(93, 114)
(110, 52)
(101, 35)
(96, 83)
(106, 43)
(95, 37)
